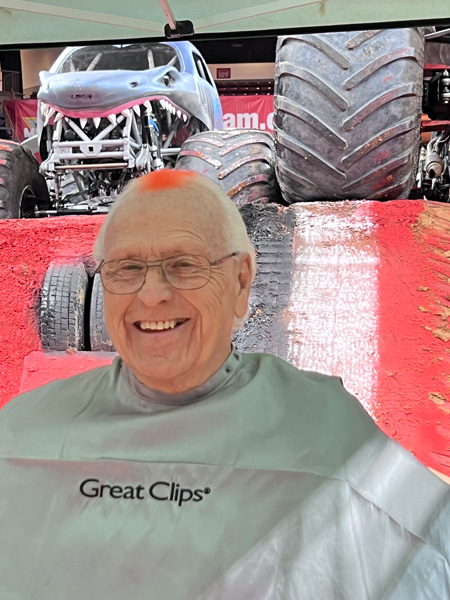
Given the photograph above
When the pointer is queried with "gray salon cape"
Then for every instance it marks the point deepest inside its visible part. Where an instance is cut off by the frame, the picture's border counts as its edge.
(264, 483)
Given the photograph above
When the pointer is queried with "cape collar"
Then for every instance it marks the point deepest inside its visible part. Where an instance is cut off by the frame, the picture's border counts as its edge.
(222, 377)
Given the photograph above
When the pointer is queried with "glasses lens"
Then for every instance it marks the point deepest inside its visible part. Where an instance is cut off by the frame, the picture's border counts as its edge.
(123, 276)
(187, 272)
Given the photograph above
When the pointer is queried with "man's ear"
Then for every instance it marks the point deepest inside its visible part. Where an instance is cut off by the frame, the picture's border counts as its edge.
(244, 285)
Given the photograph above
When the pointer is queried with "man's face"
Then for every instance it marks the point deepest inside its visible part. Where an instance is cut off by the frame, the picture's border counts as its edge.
(173, 360)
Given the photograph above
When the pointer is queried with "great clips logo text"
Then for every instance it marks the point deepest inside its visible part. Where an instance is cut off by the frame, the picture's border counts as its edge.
(163, 491)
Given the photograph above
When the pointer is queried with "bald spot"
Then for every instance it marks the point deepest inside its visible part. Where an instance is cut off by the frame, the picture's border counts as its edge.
(160, 209)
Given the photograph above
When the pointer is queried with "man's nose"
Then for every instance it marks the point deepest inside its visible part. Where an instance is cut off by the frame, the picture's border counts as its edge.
(156, 288)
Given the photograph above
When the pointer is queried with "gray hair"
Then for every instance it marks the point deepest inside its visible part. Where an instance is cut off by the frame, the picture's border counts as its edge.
(232, 226)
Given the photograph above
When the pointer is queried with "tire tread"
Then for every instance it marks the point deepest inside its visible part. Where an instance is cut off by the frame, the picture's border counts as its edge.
(328, 149)
(240, 161)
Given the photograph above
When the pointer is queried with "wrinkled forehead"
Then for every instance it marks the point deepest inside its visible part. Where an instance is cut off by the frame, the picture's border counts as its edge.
(176, 215)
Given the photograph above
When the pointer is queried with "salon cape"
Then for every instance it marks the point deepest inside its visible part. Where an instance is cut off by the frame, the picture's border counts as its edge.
(266, 483)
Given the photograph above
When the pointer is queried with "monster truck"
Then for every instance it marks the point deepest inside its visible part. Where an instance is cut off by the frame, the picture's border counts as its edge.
(107, 114)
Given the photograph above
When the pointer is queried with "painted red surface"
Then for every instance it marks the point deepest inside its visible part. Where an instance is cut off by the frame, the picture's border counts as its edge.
(40, 367)
(26, 249)
(370, 302)
(413, 387)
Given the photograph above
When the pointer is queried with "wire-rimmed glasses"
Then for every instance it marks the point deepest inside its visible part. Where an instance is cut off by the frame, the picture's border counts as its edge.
(183, 272)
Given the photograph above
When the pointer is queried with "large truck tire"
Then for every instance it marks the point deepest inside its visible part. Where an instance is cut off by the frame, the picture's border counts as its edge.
(98, 334)
(347, 114)
(240, 161)
(63, 307)
(22, 187)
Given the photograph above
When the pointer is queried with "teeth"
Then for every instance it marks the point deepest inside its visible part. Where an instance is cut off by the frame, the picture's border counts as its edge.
(112, 119)
(49, 111)
(185, 118)
(159, 325)
(126, 113)
(44, 107)
(96, 122)
(148, 104)
(179, 114)
(137, 109)
(83, 123)
(58, 116)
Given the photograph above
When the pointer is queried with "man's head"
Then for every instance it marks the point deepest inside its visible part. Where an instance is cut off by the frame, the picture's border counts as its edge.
(158, 216)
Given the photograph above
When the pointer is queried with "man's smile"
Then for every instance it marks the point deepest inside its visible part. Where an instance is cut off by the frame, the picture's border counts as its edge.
(159, 325)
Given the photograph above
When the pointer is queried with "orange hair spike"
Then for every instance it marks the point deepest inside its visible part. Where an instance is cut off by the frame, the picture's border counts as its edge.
(165, 179)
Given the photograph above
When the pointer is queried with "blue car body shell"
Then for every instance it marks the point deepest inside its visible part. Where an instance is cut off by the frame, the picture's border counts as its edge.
(98, 93)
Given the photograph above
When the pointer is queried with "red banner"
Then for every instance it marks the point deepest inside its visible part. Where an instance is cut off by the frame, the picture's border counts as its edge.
(23, 116)
(247, 112)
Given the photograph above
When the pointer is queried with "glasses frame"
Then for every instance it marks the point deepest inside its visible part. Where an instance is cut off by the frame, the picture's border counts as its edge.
(159, 263)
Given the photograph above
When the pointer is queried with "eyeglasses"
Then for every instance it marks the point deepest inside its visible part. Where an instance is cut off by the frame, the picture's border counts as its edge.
(184, 272)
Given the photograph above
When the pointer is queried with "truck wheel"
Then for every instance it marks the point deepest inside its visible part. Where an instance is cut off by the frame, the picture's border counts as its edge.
(22, 187)
(241, 161)
(347, 114)
(99, 336)
(63, 303)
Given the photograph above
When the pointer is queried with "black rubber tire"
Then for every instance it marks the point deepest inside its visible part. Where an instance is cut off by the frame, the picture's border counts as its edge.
(99, 336)
(63, 307)
(241, 161)
(22, 187)
(347, 114)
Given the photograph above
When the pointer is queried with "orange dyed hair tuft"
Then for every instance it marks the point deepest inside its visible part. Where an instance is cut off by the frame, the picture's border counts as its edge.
(165, 179)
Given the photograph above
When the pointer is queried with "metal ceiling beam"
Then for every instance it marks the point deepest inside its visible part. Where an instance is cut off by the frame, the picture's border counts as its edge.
(175, 29)
(169, 14)
(81, 15)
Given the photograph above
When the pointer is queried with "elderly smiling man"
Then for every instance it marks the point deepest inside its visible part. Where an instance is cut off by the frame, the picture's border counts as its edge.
(189, 471)
(171, 319)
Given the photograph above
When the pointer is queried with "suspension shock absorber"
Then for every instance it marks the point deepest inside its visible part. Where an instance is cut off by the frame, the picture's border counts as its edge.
(434, 163)
(153, 138)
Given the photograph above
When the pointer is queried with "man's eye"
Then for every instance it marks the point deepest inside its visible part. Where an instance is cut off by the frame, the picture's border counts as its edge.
(128, 268)
(185, 264)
